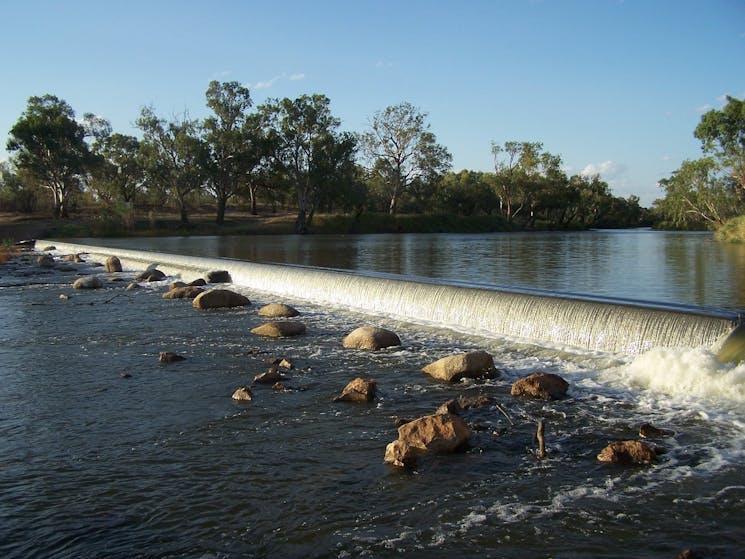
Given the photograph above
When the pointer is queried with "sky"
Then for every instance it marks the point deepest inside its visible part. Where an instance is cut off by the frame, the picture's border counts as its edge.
(614, 87)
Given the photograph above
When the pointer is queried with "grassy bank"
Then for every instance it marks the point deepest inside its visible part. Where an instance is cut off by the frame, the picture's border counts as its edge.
(733, 231)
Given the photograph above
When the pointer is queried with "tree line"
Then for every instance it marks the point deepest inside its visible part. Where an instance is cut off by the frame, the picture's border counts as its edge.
(289, 155)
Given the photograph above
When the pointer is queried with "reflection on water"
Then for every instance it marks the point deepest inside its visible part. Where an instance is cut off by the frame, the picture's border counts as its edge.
(675, 267)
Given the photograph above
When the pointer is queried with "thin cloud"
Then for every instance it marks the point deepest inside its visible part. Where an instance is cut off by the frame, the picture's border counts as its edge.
(704, 108)
(266, 84)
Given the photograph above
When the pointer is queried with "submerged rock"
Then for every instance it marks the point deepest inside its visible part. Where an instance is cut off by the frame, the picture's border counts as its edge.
(278, 310)
(132, 286)
(113, 264)
(431, 434)
(628, 453)
(269, 377)
(170, 357)
(539, 385)
(199, 282)
(45, 261)
(465, 402)
(220, 298)
(649, 431)
(280, 329)
(87, 282)
(474, 364)
(371, 337)
(358, 390)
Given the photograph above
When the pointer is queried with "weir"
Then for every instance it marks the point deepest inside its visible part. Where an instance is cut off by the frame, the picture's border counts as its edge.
(592, 323)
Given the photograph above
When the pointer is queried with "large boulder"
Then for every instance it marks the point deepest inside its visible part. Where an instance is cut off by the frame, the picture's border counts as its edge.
(431, 434)
(280, 329)
(151, 274)
(187, 292)
(220, 298)
(358, 390)
(87, 282)
(371, 337)
(539, 385)
(218, 276)
(474, 364)
(628, 453)
(113, 264)
(278, 310)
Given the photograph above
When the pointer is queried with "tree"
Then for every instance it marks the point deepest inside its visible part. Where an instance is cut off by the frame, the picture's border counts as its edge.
(49, 144)
(120, 173)
(722, 134)
(400, 148)
(229, 145)
(308, 149)
(175, 157)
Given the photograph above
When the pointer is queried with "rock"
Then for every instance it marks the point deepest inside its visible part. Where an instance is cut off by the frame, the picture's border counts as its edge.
(132, 286)
(218, 276)
(113, 264)
(45, 261)
(125, 375)
(186, 292)
(539, 385)
(280, 329)
(358, 390)
(628, 453)
(87, 282)
(220, 298)
(431, 434)
(474, 364)
(176, 284)
(199, 282)
(242, 394)
(48, 248)
(64, 296)
(151, 274)
(370, 337)
(649, 431)
(169, 357)
(272, 376)
(277, 310)
(281, 387)
(285, 364)
(463, 403)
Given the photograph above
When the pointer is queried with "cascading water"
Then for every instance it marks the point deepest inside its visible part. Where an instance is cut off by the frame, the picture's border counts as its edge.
(597, 324)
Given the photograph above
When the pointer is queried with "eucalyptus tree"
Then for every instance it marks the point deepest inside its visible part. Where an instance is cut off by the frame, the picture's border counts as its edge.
(175, 157)
(229, 146)
(401, 150)
(49, 144)
(120, 173)
(309, 150)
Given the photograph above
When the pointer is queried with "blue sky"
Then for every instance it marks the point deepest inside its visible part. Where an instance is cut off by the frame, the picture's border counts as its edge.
(613, 86)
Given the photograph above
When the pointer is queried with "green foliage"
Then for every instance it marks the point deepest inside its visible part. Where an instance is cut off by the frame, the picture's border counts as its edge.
(733, 230)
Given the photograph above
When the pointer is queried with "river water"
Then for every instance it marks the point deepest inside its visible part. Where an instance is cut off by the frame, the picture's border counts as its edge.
(108, 453)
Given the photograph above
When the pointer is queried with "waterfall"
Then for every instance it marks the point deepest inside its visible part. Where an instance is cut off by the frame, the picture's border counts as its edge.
(592, 323)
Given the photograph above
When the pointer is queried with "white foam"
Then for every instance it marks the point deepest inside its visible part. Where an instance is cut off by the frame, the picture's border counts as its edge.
(689, 372)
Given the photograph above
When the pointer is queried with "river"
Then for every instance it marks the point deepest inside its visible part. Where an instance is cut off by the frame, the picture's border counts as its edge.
(108, 453)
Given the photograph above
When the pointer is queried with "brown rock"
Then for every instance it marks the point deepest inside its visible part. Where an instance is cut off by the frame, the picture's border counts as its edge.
(132, 286)
(280, 329)
(242, 394)
(218, 276)
(87, 282)
(358, 390)
(431, 434)
(463, 403)
(45, 261)
(545, 386)
(370, 337)
(281, 387)
(270, 377)
(64, 296)
(113, 264)
(199, 282)
(176, 284)
(474, 364)
(169, 357)
(628, 453)
(186, 292)
(277, 310)
(220, 298)
(649, 431)
(151, 274)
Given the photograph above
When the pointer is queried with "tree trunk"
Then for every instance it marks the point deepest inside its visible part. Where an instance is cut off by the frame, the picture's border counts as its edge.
(184, 216)
(301, 224)
(222, 203)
